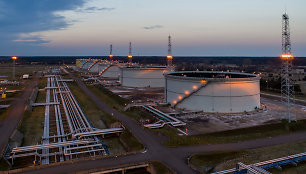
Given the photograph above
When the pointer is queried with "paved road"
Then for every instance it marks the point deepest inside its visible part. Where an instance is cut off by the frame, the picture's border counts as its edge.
(175, 158)
(11, 121)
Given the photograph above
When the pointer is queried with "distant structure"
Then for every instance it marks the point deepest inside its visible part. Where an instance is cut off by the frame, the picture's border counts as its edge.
(169, 56)
(287, 85)
(111, 51)
(130, 53)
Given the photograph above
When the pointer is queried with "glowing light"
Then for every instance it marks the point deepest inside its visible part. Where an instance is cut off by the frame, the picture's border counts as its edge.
(180, 97)
(287, 56)
(174, 101)
(130, 56)
(203, 81)
(187, 92)
(195, 87)
(110, 55)
(169, 57)
(14, 57)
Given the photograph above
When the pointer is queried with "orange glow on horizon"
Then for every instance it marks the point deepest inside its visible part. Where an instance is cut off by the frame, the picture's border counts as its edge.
(110, 55)
(287, 56)
(130, 56)
(169, 57)
(14, 57)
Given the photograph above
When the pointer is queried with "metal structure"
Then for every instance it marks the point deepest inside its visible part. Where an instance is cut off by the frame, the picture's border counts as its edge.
(261, 167)
(287, 84)
(73, 136)
(111, 51)
(213, 91)
(169, 56)
(163, 118)
(130, 53)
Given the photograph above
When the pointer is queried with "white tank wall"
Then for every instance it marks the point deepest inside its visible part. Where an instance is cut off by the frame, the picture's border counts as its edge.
(112, 72)
(142, 77)
(216, 96)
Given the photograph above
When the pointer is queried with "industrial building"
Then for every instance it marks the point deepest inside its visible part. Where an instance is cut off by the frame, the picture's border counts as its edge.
(143, 76)
(213, 92)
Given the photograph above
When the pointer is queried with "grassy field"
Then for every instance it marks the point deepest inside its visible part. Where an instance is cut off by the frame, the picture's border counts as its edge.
(232, 135)
(221, 161)
(7, 70)
(161, 168)
(3, 113)
(131, 142)
(301, 97)
(32, 126)
(118, 103)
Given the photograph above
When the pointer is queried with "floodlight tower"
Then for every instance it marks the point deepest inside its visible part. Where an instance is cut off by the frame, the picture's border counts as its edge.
(130, 53)
(14, 64)
(287, 85)
(111, 51)
(169, 56)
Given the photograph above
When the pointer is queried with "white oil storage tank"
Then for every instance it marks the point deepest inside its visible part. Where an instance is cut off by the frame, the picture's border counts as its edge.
(142, 76)
(212, 91)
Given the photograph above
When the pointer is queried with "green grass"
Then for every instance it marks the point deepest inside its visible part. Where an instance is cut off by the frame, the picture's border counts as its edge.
(301, 97)
(227, 160)
(131, 142)
(3, 113)
(42, 83)
(7, 70)
(4, 165)
(161, 168)
(32, 126)
(233, 135)
(118, 103)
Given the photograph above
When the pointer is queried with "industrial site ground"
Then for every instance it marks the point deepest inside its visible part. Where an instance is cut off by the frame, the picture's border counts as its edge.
(202, 128)
(201, 123)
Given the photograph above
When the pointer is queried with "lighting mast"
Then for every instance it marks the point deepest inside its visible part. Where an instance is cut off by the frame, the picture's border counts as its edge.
(287, 85)
(111, 51)
(169, 56)
(130, 53)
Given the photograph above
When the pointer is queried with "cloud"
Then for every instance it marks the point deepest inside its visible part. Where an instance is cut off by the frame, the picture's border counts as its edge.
(20, 18)
(153, 27)
(95, 9)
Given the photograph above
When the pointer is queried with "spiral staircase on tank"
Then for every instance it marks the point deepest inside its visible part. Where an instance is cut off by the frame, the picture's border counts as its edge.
(105, 69)
(197, 89)
(92, 65)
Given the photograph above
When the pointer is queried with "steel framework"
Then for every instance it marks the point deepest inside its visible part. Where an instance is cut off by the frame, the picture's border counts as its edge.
(130, 53)
(111, 51)
(169, 56)
(287, 84)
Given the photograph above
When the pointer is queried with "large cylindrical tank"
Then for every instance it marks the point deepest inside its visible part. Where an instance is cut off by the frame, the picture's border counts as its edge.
(137, 76)
(211, 91)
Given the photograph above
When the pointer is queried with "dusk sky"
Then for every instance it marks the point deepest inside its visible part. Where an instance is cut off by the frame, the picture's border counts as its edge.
(197, 27)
